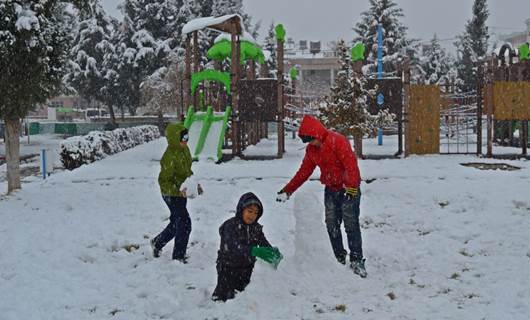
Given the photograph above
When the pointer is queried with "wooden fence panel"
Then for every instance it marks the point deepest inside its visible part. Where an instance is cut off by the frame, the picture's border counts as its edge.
(511, 100)
(424, 119)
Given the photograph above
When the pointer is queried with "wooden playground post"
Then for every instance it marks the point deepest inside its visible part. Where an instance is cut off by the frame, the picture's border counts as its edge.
(357, 138)
(254, 125)
(523, 137)
(281, 128)
(406, 103)
(196, 67)
(234, 66)
(187, 75)
(400, 115)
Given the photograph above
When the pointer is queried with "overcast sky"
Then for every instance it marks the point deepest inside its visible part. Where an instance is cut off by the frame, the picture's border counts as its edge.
(328, 20)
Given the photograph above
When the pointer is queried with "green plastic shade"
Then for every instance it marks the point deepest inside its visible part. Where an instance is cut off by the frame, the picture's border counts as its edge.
(210, 75)
(223, 50)
(357, 52)
(524, 52)
(280, 32)
(293, 73)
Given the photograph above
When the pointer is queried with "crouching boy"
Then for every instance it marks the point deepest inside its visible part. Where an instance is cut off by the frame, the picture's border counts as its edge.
(242, 240)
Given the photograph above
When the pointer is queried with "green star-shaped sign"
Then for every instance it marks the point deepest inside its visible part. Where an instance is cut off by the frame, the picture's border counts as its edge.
(524, 52)
(357, 52)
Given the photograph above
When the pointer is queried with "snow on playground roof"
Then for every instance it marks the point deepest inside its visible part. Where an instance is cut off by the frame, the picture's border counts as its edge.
(245, 37)
(216, 23)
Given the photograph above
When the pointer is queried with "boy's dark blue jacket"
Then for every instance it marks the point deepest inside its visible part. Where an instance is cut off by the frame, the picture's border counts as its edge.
(237, 238)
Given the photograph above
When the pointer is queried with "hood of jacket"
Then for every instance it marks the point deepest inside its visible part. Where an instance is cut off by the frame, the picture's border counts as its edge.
(312, 127)
(248, 198)
(173, 134)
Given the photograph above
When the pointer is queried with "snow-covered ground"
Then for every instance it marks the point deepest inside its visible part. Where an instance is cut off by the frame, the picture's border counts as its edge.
(442, 241)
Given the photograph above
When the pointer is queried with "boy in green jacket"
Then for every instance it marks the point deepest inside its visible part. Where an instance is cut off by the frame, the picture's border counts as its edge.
(175, 169)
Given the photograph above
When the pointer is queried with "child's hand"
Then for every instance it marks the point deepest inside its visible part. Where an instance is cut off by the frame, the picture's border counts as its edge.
(282, 196)
(183, 192)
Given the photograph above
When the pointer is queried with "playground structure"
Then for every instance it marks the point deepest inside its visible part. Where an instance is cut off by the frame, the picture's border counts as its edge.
(253, 102)
(505, 89)
(438, 120)
(430, 119)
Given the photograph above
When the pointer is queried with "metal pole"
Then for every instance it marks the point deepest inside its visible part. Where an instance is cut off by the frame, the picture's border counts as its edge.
(480, 85)
(380, 73)
(43, 160)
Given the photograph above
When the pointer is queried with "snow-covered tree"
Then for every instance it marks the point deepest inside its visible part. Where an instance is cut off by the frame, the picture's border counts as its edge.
(34, 44)
(224, 7)
(346, 109)
(161, 93)
(149, 38)
(270, 47)
(395, 42)
(435, 63)
(87, 73)
(472, 45)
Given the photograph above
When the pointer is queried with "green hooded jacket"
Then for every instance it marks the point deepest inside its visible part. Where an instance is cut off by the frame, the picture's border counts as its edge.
(175, 166)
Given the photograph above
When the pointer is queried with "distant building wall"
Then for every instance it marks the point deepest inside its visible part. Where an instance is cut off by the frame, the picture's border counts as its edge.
(518, 38)
(316, 74)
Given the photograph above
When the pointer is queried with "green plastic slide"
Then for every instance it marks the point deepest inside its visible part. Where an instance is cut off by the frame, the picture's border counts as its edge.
(207, 132)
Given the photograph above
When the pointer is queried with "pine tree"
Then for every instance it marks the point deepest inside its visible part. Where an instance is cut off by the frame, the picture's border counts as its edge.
(270, 46)
(435, 63)
(34, 43)
(87, 74)
(150, 38)
(346, 109)
(388, 14)
(224, 7)
(472, 45)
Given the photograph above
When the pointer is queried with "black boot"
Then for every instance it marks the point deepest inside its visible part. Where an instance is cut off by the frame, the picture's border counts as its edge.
(156, 252)
(357, 266)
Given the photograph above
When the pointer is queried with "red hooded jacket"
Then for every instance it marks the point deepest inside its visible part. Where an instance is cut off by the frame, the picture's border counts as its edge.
(335, 158)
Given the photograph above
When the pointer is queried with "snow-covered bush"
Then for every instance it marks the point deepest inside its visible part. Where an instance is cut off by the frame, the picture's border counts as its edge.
(96, 145)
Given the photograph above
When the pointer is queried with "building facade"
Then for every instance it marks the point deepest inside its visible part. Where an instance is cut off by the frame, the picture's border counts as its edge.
(518, 38)
(317, 66)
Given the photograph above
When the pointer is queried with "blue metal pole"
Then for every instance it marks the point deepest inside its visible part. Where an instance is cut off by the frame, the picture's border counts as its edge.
(43, 156)
(380, 71)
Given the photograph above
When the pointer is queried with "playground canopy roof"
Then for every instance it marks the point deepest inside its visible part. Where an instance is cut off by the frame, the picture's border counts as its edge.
(245, 37)
(223, 23)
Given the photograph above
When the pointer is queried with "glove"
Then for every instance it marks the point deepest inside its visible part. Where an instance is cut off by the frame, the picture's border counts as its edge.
(351, 193)
(282, 196)
(270, 255)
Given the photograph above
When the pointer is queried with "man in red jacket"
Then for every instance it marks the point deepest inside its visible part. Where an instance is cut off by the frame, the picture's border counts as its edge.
(332, 153)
